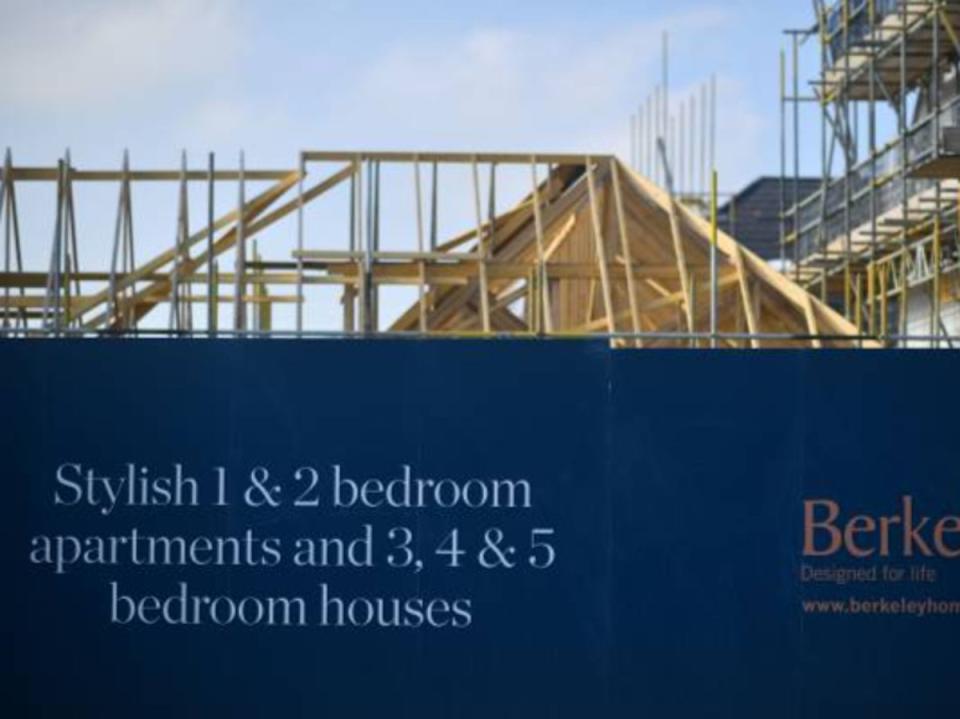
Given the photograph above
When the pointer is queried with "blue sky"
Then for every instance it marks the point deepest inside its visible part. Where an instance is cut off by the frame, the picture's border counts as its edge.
(158, 76)
(273, 77)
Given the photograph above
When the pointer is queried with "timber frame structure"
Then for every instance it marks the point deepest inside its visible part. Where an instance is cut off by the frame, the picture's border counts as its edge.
(589, 249)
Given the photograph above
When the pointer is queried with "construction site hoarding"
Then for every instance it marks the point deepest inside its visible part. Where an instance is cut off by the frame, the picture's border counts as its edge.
(476, 528)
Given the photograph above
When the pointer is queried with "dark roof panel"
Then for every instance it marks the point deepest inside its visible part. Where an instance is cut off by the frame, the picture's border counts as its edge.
(752, 216)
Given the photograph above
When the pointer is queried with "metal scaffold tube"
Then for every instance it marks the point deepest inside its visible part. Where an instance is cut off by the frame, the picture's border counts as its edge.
(868, 239)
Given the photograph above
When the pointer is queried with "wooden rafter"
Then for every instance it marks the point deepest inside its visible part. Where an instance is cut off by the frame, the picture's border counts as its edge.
(591, 248)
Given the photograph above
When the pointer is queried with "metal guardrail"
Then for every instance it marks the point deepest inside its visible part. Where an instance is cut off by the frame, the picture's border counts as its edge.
(691, 340)
(819, 222)
(858, 25)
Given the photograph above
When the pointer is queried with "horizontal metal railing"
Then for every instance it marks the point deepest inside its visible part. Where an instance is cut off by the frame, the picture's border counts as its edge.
(853, 16)
(819, 222)
(685, 339)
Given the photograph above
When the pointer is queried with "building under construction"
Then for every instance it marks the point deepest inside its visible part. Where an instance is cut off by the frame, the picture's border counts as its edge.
(420, 244)
(377, 433)
(878, 240)
(587, 247)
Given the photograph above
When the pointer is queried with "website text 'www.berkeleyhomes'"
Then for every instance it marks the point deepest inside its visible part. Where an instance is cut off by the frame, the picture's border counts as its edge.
(918, 608)
(892, 564)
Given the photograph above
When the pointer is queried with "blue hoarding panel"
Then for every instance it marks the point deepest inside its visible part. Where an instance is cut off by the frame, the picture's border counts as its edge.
(436, 529)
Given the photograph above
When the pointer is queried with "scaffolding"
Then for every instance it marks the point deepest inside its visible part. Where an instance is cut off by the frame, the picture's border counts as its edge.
(879, 239)
(588, 248)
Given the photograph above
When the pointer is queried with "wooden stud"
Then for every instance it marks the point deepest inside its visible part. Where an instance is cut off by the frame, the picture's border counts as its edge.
(625, 248)
(543, 281)
(483, 249)
(746, 298)
(600, 249)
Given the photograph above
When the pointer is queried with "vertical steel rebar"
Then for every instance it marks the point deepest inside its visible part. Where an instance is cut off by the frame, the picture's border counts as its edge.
(5, 218)
(213, 305)
(240, 287)
(714, 236)
(783, 160)
(904, 162)
(51, 307)
(434, 194)
(795, 229)
(872, 141)
(300, 247)
(118, 240)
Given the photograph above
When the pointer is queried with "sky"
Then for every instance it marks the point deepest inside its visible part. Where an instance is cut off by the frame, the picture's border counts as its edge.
(274, 77)
(163, 76)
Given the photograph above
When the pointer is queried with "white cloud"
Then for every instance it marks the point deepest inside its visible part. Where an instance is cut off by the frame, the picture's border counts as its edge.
(742, 136)
(85, 55)
(555, 87)
(179, 73)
